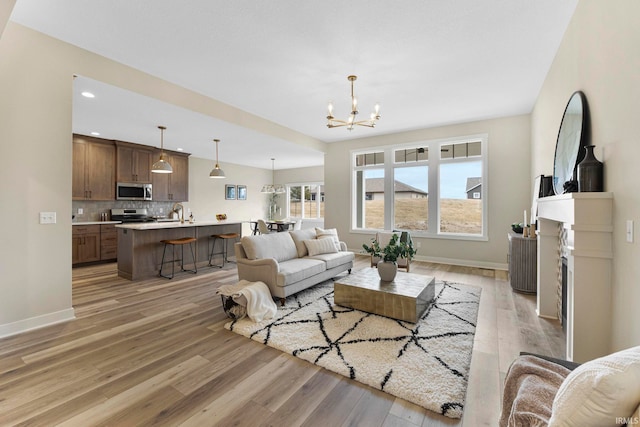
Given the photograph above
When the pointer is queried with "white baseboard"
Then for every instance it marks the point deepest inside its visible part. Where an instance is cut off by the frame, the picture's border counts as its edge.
(14, 328)
(459, 262)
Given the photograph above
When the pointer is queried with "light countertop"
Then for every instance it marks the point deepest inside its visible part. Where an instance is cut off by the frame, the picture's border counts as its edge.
(95, 222)
(175, 224)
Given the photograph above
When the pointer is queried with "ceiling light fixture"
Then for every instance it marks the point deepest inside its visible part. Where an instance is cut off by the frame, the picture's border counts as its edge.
(332, 122)
(162, 166)
(216, 172)
(88, 94)
(273, 188)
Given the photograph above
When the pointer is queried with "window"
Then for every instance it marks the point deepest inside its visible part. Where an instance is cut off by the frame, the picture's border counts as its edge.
(306, 201)
(432, 188)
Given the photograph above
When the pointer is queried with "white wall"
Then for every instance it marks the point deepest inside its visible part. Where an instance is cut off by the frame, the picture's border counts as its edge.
(600, 56)
(507, 188)
(206, 195)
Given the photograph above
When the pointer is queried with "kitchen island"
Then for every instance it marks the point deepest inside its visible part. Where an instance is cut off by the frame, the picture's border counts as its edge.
(140, 250)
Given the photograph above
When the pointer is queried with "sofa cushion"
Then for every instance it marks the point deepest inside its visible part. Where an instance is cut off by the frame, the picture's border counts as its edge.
(330, 233)
(278, 246)
(335, 259)
(297, 269)
(320, 246)
(599, 391)
(299, 236)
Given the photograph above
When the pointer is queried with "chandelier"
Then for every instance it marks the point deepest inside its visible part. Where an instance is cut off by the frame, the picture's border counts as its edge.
(273, 188)
(332, 122)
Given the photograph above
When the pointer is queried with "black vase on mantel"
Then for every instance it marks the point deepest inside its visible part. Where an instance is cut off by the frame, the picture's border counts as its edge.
(590, 172)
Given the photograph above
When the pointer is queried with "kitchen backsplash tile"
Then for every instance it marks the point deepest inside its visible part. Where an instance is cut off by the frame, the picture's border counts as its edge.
(91, 210)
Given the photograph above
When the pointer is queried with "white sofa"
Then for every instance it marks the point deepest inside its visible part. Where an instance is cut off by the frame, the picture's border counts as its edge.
(289, 262)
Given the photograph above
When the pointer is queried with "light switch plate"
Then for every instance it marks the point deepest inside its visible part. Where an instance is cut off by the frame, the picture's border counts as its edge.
(47, 217)
(630, 230)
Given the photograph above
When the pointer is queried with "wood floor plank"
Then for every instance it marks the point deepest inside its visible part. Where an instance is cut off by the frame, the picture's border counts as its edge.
(155, 352)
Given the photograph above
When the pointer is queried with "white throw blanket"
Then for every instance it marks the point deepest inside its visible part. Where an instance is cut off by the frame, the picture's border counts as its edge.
(255, 296)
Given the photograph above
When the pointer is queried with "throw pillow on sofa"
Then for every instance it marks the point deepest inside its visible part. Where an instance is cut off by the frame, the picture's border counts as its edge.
(299, 236)
(320, 246)
(599, 392)
(330, 233)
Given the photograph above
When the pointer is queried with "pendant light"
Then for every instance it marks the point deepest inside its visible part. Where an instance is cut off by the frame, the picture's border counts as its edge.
(162, 166)
(216, 172)
(272, 188)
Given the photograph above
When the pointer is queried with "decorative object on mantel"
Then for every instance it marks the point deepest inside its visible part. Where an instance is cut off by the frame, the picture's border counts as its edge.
(426, 363)
(216, 172)
(221, 217)
(590, 172)
(162, 166)
(388, 267)
(273, 188)
(572, 136)
(332, 122)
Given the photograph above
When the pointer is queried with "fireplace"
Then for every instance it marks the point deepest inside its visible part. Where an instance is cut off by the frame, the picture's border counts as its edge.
(563, 291)
(578, 227)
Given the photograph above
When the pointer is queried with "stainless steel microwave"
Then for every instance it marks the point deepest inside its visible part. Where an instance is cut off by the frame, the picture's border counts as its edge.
(133, 191)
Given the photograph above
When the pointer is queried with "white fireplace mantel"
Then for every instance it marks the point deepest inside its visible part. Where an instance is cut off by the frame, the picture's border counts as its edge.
(587, 222)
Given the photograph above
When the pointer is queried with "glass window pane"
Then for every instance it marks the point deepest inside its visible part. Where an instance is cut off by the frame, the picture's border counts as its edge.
(372, 211)
(460, 200)
(446, 151)
(295, 205)
(311, 195)
(475, 149)
(411, 203)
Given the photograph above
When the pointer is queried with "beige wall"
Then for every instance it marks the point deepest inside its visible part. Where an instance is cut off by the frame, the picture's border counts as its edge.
(206, 195)
(599, 55)
(507, 188)
(35, 141)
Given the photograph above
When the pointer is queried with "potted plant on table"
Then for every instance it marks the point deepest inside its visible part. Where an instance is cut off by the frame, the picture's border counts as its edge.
(389, 254)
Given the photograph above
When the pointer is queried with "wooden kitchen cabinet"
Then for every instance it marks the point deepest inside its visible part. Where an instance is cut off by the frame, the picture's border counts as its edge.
(93, 169)
(174, 186)
(108, 242)
(85, 243)
(133, 162)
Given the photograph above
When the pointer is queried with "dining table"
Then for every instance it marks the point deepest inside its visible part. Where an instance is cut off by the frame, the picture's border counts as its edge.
(279, 226)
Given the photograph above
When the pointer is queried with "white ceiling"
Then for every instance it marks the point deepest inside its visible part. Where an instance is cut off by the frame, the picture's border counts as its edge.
(426, 62)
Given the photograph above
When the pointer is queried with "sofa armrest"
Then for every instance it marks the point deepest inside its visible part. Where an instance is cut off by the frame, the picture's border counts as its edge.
(254, 270)
(343, 246)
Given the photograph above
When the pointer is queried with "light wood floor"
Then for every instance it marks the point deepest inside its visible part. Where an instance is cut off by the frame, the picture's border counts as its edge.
(155, 352)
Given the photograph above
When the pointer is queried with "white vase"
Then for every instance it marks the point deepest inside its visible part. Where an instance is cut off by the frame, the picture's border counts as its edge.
(387, 271)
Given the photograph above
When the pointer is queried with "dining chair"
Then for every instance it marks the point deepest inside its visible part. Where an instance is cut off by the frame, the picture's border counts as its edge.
(262, 227)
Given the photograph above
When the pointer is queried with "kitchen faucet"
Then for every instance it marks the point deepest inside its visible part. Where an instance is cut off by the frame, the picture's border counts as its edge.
(175, 208)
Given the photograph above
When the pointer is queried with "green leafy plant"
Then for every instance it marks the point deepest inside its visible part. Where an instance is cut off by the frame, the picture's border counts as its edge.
(393, 250)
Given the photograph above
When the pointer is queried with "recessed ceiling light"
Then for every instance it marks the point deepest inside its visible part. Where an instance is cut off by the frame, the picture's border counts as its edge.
(88, 94)
(95, 133)
(180, 149)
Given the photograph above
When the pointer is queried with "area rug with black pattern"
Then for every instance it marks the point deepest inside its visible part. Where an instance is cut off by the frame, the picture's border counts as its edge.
(426, 363)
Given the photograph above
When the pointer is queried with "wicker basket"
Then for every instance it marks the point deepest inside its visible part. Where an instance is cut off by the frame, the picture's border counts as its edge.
(232, 309)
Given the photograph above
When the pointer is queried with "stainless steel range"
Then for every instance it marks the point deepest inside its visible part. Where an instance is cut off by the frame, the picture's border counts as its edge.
(131, 215)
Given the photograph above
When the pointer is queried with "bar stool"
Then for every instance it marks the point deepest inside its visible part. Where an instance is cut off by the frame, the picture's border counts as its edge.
(178, 242)
(225, 238)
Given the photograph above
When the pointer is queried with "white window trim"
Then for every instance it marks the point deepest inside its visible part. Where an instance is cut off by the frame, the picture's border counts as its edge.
(288, 200)
(434, 181)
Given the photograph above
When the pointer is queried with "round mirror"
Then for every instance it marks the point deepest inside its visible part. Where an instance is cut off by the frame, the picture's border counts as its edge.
(571, 139)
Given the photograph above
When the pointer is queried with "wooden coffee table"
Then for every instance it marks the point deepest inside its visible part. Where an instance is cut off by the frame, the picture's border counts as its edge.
(406, 298)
